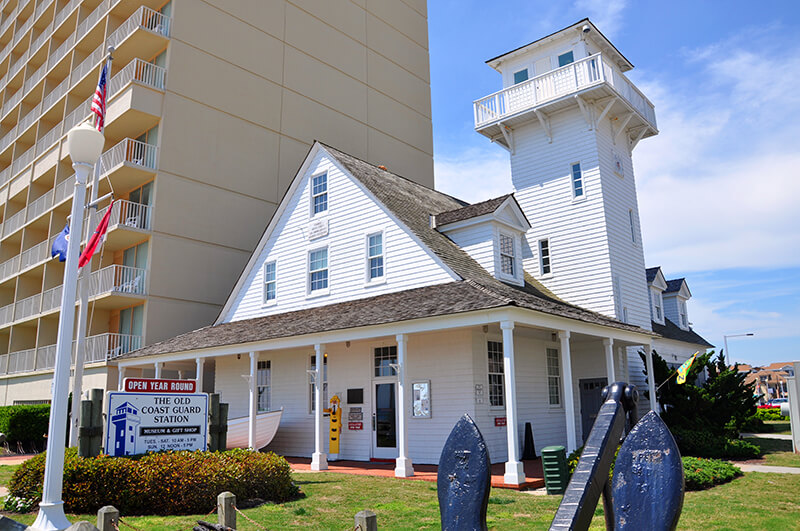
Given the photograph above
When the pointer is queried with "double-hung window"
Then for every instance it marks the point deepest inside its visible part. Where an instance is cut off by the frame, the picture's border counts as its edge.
(375, 257)
(544, 256)
(507, 255)
(318, 270)
(553, 377)
(319, 193)
(496, 376)
(577, 180)
(270, 282)
(263, 384)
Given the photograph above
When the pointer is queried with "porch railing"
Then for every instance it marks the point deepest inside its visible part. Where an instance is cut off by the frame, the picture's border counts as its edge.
(118, 279)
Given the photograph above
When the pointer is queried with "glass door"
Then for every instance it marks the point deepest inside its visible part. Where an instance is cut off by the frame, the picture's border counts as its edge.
(384, 421)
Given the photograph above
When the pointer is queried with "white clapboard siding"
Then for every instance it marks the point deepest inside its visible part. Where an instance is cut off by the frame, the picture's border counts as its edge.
(676, 352)
(352, 215)
(478, 241)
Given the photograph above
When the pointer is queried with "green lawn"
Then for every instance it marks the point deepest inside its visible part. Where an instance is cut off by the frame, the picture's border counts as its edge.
(777, 452)
(777, 426)
(5, 474)
(755, 501)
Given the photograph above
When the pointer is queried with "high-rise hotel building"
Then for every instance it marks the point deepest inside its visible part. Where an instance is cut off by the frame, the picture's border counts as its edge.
(212, 106)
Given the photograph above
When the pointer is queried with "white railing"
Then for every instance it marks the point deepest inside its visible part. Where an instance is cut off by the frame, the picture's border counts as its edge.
(51, 299)
(22, 361)
(5, 175)
(144, 17)
(88, 64)
(118, 279)
(127, 213)
(12, 102)
(6, 314)
(34, 79)
(49, 138)
(14, 222)
(64, 189)
(17, 66)
(141, 71)
(46, 357)
(22, 161)
(39, 206)
(41, 39)
(55, 95)
(93, 17)
(132, 151)
(41, 7)
(22, 30)
(29, 119)
(3, 363)
(8, 138)
(78, 114)
(104, 347)
(9, 268)
(61, 51)
(36, 254)
(560, 82)
(62, 15)
(28, 306)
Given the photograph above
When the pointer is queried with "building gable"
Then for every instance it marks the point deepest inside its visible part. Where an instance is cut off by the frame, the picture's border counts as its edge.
(348, 246)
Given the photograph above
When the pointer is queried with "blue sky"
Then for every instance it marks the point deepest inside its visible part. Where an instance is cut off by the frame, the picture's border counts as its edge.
(719, 187)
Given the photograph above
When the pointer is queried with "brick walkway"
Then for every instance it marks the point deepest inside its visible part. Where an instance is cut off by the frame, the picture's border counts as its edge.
(14, 459)
(533, 471)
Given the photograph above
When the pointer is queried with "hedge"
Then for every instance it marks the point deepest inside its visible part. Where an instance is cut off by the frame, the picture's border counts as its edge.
(700, 474)
(705, 444)
(164, 483)
(770, 414)
(25, 424)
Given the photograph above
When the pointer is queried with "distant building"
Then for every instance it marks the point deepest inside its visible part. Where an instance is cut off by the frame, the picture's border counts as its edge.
(769, 381)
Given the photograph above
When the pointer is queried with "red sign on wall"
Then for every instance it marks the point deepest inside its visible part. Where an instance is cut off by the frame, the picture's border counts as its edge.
(152, 385)
(355, 425)
(499, 421)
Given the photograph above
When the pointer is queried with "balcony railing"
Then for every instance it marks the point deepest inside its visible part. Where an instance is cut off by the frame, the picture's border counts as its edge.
(118, 279)
(22, 361)
(138, 70)
(127, 213)
(46, 357)
(6, 314)
(44, 4)
(106, 347)
(9, 268)
(132, 151)
(27, 307)
(64, 189)
(51, 299)
(14, 222)
(39, 206)
(145, 18)
(593, 70)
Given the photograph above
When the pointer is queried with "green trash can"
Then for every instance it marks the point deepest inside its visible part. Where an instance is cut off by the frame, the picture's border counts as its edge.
(554, 465)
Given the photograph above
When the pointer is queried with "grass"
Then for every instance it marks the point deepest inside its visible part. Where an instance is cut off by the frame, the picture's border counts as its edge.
(777, 452)
(755, 501)
(778, 426)
(5, 474)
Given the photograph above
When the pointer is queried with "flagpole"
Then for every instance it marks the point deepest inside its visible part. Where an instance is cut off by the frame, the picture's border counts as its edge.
(85, 272)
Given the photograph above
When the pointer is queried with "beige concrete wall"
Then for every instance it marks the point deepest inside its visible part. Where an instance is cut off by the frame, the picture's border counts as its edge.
(37, 386)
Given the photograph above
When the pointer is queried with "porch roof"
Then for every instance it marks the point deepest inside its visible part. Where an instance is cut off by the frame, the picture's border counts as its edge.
(430, 301)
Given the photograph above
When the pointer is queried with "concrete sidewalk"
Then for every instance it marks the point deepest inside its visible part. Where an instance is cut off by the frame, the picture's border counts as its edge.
(770, 469)
(781, 436)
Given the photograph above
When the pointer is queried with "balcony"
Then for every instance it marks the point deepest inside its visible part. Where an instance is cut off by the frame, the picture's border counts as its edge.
(13, 223)
(9, 268)
(126, 224)
(116, 285)
(129, 163)
(593, 78)
(6, 314)
(99, 349)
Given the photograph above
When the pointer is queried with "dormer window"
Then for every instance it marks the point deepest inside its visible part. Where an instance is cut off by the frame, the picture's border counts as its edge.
(684, 320)
(319, 194)
(507, 266)
(659, 317)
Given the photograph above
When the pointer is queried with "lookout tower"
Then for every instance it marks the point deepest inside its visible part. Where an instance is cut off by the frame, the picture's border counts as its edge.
(570, 120)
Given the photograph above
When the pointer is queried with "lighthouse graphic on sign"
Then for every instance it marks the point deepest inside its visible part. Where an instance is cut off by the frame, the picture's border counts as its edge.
(125, 421)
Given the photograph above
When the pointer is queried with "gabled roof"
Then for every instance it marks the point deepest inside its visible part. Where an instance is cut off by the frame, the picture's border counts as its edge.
(476, 212)
(674, 285)
(670, 330)
(651, 273)
(412, 204)
(655, 278)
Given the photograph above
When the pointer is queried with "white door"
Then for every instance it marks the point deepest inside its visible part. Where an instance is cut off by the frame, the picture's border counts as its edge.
(384, 419)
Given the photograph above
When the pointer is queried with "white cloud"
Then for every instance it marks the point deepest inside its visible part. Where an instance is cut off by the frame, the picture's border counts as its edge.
(605, 14)
(475, 174)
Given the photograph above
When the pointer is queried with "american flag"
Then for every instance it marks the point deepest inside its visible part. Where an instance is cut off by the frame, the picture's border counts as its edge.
(99, 100)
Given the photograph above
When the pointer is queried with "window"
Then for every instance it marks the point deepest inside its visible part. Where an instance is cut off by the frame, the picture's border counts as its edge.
(319, 193)
(131, 324)
(684, 320)
(270, 282)
(544, 257)
(318, 269)
(143, 152)
(263, 383)
(633, 229)
(136, 213)
(496, 378)
(624, 314)
(521, 76)
(507, 255)
(375, 256)
(577, 181)
(311, 391)
(553, 377)
(566, 58)
(658, 313)
(384, 358)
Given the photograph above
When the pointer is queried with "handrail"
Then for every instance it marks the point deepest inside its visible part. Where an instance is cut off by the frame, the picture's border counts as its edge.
(27, 307)
(131, 151)
(9, 268)
(118, 279)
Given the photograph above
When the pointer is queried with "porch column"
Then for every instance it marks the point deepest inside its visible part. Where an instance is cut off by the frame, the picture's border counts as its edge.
(608, 343)
(515, 472)
(158, 369)
(403, 467)
(251, 427)
(651, 381)
(199, 374)
(569, 399)
(319, 460)
(120, 378)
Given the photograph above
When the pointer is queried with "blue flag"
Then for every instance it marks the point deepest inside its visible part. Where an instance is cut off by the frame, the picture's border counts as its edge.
(60, 245)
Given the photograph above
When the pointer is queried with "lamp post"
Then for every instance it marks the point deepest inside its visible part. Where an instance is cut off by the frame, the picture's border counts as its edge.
(725, 340)
(84, 144)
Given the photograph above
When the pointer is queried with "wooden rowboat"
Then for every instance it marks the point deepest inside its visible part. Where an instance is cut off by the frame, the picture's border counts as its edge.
(266, 427)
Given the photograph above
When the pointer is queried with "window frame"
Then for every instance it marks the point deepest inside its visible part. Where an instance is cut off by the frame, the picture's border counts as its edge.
(266, 386)
(310, 292)
(499, 375)
(554, 379)
(542, 272)
(513, 256)
(264, 295)
(368, 280)
(577, 183)
(632, 222)
(514, 76)
(312, 196)
(559, 56)
(384, 352)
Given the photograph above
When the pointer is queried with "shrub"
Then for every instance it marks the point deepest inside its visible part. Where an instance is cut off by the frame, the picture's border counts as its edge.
(160, 483)
(769, 414)
(25, 424)
(706, 444)
(14, 504)
(702, 474)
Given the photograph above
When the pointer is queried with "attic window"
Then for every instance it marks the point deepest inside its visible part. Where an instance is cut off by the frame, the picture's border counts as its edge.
(507, 255)
(319, 193)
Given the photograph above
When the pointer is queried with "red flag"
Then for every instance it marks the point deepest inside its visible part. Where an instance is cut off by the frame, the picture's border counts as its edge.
(97, 237)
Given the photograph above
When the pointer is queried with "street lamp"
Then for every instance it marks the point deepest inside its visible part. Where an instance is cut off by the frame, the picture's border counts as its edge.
(84, 144)
(725, 340)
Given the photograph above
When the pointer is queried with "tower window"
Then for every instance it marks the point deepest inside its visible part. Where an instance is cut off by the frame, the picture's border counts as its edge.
(544, 256)
(507, 255)
(521, 76)
(633, 226)
(577, 180)
(319, 193)
(566, 58)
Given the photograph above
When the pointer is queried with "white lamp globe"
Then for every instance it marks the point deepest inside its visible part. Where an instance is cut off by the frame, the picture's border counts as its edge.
(85, 144)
